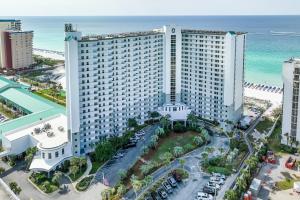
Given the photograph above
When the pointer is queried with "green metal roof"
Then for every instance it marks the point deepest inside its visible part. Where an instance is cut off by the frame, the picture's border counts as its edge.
(38, 107)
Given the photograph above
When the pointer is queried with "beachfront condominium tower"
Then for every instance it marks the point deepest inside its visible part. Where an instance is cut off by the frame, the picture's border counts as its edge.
(10, 24)
(175, 71)
(291, 109)
(15, 46)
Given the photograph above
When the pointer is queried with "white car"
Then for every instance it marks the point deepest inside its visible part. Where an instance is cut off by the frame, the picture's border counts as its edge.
(213, 185)
(218, 175)
(204, 196)
(217, 180)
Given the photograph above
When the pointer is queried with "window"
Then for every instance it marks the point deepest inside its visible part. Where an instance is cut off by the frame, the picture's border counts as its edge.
(43, 155)
(56, 154)
(49, 155)
(63, 151)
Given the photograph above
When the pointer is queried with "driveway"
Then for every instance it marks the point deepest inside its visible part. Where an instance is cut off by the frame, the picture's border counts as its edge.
(111, 169)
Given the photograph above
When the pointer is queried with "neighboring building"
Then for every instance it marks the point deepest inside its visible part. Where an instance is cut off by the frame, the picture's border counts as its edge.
(16, 49)
(291, 109)
(43, 124)
(10, 24)
(111, 78)
(15, 46)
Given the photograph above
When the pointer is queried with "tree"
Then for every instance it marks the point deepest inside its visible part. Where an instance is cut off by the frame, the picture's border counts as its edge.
(192, 119)
(30, 152)
(74, 161)
(198, 140)
(147, 180)
(231, 195)
(182, 162)
(82, 162)
(160, 132)
(153, 141)
(221, 150)
(241, 184)
(56, 177)
(2, 170)
(165, 121)
(121, 190)
(166, 157)
(146, 168)
(177, 151)
(136, 184)
(276, 112)
(104, 151)
(15, 188)
(178, 127)
(204, 156)
(132, 123)
(74, 169)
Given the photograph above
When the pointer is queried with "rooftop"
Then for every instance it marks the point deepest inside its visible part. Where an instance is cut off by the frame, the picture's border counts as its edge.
(10, 20)
(37, 107)
(49, 133)
(192, 31)
(119, 35)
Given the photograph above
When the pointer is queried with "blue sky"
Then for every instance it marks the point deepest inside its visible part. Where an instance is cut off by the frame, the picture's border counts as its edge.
(149, 7)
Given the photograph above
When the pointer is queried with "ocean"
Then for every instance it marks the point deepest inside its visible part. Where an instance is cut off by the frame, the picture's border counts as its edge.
(270, 39)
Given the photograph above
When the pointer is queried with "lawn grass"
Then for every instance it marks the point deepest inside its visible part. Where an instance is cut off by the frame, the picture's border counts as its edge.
(286, 184)
(168, 143)
(264, 125)
(95, 166)
(48, 96)
(274, 142)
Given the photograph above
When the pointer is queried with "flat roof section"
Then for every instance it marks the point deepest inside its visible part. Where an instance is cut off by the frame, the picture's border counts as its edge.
(25, 100)
(38, 107)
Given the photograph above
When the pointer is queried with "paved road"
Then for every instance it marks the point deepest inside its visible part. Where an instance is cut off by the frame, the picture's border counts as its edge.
(197, 178)
(110, 171)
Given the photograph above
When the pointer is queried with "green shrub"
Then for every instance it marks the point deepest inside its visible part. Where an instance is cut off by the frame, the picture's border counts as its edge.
(84, 183)
(179, 127)
(221, 170)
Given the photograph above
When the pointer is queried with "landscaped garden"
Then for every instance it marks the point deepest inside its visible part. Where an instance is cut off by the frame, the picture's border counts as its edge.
(226, 162)
(45, 183)
(84, 183)
(54, 93)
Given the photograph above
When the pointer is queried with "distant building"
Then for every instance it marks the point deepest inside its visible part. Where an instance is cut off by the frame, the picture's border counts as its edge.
(111, 78)
(10, 24)
(16, 48)
(291, 109)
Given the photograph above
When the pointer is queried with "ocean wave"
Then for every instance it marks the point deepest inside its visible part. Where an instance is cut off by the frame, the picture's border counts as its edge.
(279, 33)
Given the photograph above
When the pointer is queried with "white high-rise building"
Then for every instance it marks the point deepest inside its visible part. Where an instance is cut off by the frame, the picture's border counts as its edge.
(111, 78)
(291, 110)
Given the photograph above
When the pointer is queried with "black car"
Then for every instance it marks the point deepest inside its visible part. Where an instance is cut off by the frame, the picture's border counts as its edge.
(162, 193)
(129, 145)
(172, 182)
(167, 187)
(154, 195)
(210, 190)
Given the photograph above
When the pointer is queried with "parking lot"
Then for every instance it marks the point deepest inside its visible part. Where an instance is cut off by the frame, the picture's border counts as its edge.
(129, 156)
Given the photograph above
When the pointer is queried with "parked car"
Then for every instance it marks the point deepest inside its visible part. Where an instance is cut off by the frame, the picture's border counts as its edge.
(140, 134)
(154, 195)
(204, 196)
(213, 185)
(210, 190)
(217, 180)
(162, 193)
(167, 187)
(218, 175)
(172, 182)
(129, 145)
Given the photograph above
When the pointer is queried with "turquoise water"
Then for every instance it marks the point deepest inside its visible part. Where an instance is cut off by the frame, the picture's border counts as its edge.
(265, 51)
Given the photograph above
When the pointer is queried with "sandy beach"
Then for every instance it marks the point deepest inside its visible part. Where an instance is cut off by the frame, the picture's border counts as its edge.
(56, 55)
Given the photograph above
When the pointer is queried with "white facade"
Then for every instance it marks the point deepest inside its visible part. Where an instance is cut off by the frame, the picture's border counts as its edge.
(111, 78)
(49, 136)
(291, 118)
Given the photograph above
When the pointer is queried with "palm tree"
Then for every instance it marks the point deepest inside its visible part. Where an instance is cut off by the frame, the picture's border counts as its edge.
(81, 162)
(166, 157)
(231, 195)
(147, 180)
(136, 184)
(221, 150)
(74, 169)
(182, 162)
(198, 140)
(57, 176)
(153, 141)
(241, 184)
(165, 121)
(192, 118)
(121, 190)
(177, 151)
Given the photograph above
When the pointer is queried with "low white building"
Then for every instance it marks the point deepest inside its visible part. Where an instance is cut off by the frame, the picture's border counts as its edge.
(49, 136)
